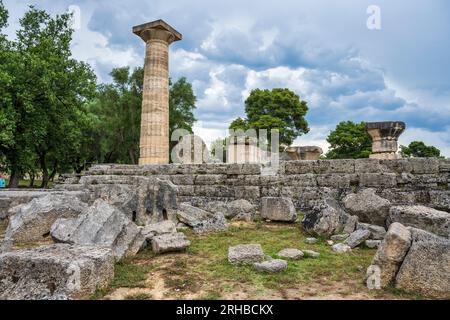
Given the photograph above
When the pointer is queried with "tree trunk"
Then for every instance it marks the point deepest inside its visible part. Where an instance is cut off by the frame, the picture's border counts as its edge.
(45, 176)
(14, 179)
(52, 175)
(32, 177)
(131, 154)
(54, 170)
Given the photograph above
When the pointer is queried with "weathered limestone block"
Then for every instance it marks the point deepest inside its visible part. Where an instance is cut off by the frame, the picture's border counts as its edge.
(377, 180)
(33, 221)
(334, 166)
(200, 220)
(372, 244)
(157, 229)
(182, 179)
(368, 206)
(278, 209)
(397, 166)
(107, 179)
(339, 181)
(12, 199)
(391, 252)
(357, 237)
(273, 191)
(101, 225)
(170, 242)
(440, 199)
(251, 192)
(214, 191)
(124, 197)
(55, 272)
(157, 201)
(299, 167)
(186, 190)
(424, 165)
(247, 169)
(341, 248)
(435, 221)
(245, 254)
(290, 253)
(398, 196)
(297, 180)
(444, 165)
(349, 223)
(376, 232)
(370, 166)
(210, 179)
(271, 266)
(426, 267)
(240, 209)
(325, 219)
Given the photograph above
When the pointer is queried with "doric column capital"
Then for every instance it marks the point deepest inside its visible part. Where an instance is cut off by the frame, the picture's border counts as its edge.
(157, 30)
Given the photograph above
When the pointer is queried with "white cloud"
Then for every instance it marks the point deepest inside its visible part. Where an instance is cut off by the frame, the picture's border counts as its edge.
(439, 139)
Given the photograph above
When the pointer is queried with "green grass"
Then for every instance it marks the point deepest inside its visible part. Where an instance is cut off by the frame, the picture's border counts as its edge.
(130, 275)
(331, 265)
(127, 274)
(204, 272)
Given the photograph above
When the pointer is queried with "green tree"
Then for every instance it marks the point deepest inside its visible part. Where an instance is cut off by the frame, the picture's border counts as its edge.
(115, 119)
(239, 124)
(43, 92)
(181, 107)
(181, 104)
(278, 109)
(115, 115)
(418, 149)
(349, 141)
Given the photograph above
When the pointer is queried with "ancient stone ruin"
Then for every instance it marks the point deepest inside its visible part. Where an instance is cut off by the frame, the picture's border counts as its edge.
(304, 153)
(63, 243)
(154, 143)
(384, 138)
(125, 208)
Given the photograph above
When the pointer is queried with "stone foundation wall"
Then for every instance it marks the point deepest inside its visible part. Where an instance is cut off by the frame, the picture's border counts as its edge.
(404, 181)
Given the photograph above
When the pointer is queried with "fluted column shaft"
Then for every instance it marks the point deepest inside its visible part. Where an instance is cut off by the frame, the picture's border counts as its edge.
(154, 142)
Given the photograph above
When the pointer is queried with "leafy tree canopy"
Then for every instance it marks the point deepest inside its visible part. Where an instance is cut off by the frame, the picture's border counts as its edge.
(116, 116)
(418, 149)
(43, 91)
(349, 141)
(278, 109)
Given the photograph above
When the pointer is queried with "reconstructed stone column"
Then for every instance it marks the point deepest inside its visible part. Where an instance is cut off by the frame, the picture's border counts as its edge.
(154, 142)
(384, 138)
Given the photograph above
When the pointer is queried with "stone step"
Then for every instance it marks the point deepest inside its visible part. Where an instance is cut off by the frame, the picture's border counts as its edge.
(108, 179)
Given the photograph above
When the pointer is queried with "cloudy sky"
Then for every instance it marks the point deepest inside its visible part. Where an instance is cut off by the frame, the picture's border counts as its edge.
(320, 49)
